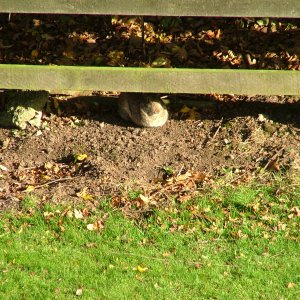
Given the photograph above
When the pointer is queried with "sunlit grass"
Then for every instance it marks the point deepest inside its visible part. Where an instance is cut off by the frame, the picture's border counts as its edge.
(227, 244)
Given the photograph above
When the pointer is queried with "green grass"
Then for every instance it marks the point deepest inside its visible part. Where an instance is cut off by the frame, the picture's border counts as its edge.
(232, 244)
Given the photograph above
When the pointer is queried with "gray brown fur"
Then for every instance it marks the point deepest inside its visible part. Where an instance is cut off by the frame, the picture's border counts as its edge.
(146, 110)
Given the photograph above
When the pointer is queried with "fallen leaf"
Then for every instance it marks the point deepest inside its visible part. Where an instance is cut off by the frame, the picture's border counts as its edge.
(197, 265)
(296, 211)
(80, 157)
(143, 199)
(90, 227)
(161, 62)
(29, 189)
(78, 214)
(141, 269)
(3, 168)
(48, 165)
(78, 292)
(5, 143)
(183, 177)
(70, 214)
(96, 226)
(85, 212)
(291, 285)
(34, 53)
(84, 195)
(184, 198)
(274, 166)
(48, 215)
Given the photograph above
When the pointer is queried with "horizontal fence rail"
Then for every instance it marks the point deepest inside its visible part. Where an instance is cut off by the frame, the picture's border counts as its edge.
(194, 81)
(222, 8)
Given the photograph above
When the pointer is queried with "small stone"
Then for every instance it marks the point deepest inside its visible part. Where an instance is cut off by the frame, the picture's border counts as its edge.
(23, 107)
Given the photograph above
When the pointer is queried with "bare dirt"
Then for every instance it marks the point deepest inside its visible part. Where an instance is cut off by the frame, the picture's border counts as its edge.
(227, 139)
(85, 151)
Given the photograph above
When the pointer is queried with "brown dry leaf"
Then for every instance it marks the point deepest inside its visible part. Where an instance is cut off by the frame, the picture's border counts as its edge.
(160, 62)
(34, 53)
(218, 34)
(117, 201)
(85, 212)
(210, 34)
(274, 166)
(184, 198)
(198, 177)
(91, 40)
(296, 211)
(291, 285)
(197, 265)
(281, 226)
(183, 177)
(98, 224)
(143, 199)
(64, 213)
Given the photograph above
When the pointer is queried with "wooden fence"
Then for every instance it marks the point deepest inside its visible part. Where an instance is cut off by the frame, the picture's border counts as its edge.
(175, 80)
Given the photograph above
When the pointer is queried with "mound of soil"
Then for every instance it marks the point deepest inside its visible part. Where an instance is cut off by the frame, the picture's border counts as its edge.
(84, 148)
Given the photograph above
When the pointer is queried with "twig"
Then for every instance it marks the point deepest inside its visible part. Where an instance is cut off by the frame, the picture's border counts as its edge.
(26, 169)
(179, 172)
(53, 181)
(272, 159)
(218, 129)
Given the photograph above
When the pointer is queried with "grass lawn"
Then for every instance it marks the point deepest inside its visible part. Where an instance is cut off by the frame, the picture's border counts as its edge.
(240, 243)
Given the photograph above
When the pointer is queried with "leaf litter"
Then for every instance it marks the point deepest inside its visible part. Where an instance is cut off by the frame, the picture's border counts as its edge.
(83, 151)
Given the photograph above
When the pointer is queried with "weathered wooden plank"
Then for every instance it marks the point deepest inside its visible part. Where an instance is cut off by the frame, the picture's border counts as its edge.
(237, 8)
(197, 81)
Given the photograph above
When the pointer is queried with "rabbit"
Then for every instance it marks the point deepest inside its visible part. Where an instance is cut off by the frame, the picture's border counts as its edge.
(145, 110)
